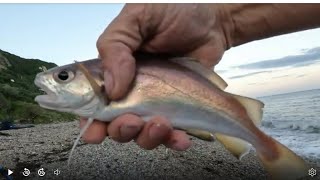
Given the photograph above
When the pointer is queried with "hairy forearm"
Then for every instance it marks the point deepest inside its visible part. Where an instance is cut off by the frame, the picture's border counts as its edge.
(249, 22)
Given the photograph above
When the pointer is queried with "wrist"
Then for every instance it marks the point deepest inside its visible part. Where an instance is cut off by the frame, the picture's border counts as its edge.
(225, 21)
(243, 23)
(248, 22)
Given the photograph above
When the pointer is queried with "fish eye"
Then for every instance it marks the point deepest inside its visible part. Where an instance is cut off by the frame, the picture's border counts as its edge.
(64, 76)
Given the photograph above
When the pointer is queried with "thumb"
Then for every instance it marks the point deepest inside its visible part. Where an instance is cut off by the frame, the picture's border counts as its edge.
(116, 45)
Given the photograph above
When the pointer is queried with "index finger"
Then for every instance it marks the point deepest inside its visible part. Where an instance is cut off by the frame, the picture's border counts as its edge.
(116, 45)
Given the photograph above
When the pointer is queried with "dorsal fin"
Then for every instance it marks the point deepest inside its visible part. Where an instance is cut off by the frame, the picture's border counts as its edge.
(253, 107)
(194, 65)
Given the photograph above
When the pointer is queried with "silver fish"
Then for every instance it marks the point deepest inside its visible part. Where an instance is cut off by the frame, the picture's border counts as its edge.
(180, 89)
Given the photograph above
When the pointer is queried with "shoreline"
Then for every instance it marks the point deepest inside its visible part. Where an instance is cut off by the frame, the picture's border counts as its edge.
(48, 146)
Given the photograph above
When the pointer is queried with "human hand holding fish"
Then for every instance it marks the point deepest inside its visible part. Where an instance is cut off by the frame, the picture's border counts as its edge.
(201, 31)
(144, 90)
(204, 42)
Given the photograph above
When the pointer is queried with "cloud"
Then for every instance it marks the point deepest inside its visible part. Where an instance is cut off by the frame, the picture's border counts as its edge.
(302, 75)
(257, 84)
(251, 84)
(277, 77)
(220, 71)
(249, 74)
(306, 63)
(310, 56)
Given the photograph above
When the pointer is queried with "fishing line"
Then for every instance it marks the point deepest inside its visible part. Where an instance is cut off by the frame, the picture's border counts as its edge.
(83, 130)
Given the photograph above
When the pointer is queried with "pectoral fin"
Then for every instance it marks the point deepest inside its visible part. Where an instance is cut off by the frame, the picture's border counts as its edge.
(95, 86)
(236, 146)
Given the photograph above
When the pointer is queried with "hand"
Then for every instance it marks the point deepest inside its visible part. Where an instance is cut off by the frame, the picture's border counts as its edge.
(186, 30)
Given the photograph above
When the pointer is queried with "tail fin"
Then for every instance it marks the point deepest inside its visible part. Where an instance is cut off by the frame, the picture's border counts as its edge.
(278, 160)
(283, 163)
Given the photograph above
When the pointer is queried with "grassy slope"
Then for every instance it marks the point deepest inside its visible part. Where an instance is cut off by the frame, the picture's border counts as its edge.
(17, 98)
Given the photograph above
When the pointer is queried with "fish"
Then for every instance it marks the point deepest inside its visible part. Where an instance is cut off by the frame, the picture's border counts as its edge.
(191, 96)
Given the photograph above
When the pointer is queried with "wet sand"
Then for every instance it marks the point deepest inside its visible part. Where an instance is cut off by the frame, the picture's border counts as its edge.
(48, 147)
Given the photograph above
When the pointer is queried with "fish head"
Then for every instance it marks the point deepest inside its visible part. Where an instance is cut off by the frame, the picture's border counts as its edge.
(67, 89)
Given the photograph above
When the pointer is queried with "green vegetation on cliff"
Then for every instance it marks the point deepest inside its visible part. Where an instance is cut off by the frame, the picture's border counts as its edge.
(17, 91)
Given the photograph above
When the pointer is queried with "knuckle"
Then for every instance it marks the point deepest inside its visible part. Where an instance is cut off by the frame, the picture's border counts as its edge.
(101, 44)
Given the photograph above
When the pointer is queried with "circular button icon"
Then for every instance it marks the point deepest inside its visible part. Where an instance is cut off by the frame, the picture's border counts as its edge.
(41, 172)
(26, 172)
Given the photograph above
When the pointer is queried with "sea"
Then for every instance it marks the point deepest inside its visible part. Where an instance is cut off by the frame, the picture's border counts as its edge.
(294, 120)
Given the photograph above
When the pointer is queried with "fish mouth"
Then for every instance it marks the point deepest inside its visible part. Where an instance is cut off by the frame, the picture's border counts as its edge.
(48, 99)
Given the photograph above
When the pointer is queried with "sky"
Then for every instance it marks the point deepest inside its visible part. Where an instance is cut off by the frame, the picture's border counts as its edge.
(62, 33)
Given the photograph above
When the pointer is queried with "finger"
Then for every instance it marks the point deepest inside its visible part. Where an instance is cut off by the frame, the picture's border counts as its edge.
(125, 128)
(119, 70)
(178, 140)
(155, 132)
(205, 55)
(116, 45)
(96, 132)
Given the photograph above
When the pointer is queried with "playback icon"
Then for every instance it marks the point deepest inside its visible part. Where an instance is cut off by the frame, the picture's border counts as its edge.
(41, 172)
(26, 172)
(10, 172)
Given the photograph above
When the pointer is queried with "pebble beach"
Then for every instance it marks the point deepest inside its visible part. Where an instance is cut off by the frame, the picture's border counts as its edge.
(48, 147)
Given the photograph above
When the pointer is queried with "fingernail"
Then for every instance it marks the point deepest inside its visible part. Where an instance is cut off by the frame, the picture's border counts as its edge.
(108, 81)
(129, 131)
(158, 131)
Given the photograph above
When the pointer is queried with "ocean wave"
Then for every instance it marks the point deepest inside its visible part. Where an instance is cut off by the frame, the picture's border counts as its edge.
(293, 127)
(267, 124)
